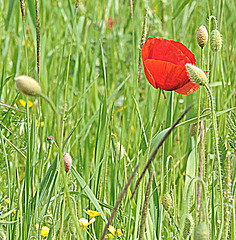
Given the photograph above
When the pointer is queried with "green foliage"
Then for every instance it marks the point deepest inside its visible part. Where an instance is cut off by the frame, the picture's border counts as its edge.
(108, 121)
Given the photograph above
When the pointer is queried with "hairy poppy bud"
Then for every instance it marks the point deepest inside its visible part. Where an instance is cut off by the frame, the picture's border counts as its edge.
(188, 226)
(201, 232)
(28, 85)
(193, 129)
(167, 202)
(196, 74)
(202, 36)
(67, 162)
(216, 41)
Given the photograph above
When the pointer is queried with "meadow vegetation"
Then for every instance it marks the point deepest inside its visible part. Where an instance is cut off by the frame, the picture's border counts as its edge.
(96, 108)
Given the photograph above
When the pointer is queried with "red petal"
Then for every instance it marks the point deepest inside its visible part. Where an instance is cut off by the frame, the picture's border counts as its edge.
(185, 51)
(167, 50)
(188, 88)
(165, 75)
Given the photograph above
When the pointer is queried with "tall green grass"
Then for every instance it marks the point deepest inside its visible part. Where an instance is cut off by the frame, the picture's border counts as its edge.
(109, 122)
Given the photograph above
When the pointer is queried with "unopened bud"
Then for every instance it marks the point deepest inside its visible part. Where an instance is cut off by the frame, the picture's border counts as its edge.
(196, 74)
(216, 41)
(67, 162)
(28, 85)
(167, 202)
(202, 36)
(50, 139)
(188, 226)
(201, 232)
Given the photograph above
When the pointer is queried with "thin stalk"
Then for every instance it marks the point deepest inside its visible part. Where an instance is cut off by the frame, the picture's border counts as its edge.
(62, 215)
(216, 144)
(145, 205)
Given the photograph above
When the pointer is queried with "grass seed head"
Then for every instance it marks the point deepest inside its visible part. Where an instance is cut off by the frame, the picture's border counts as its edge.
(201, 231)
(28, 85)
(167, 201)
(202, 36)
(188, 226)
(196, 74)
(215, 41)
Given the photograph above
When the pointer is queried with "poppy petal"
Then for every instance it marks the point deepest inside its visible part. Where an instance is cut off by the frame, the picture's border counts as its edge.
(185, 51)
(188, 88)
(167, 50)
(165, 75)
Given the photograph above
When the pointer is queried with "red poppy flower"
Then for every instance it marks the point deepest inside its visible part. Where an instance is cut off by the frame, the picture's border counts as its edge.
(164, 65)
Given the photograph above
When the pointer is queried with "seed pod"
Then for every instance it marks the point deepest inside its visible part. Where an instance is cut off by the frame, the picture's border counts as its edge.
(188, 226)
(202, 36)
(167, 201)
(67, 162)
(216, 41)
(196, 74)
(71, 226)
(201, 232)
(28, 85)
(193, 129)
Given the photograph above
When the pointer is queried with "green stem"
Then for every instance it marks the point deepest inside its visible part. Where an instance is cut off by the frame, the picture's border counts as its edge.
(216, 144)
(62, 169)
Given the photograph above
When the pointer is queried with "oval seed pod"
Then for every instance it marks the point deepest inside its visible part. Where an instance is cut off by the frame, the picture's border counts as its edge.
(188, 226)
(28, 85)
(167, 201)
(67, 162)
(215, 41)
(196, 74)
(193, 129)
(202, 36)
(201, 231)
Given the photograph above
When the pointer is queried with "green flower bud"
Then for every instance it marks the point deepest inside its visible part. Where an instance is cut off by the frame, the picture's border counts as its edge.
(196, 74)
(167, 202)
(201, 232)
(188, 226)
(216, 41)
(202, 36)
(28, 85)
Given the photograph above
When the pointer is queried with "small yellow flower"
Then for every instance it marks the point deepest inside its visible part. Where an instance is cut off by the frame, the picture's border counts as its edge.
(23, 103)
(7, 201)
(112, 230)
(110, 236)
(45, 231)
(92, 213)
(83, 222)
(41, 123)
(23, 42)
(18, 213)
(119, 232)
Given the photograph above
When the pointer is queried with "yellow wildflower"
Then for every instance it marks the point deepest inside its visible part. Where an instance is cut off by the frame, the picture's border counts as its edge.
(7, 201)
(18, 213)
(83, 222)
(119, 232)
(41, 123)
(23, 103)
(45, 231)
(92, 213)
(112, 230)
